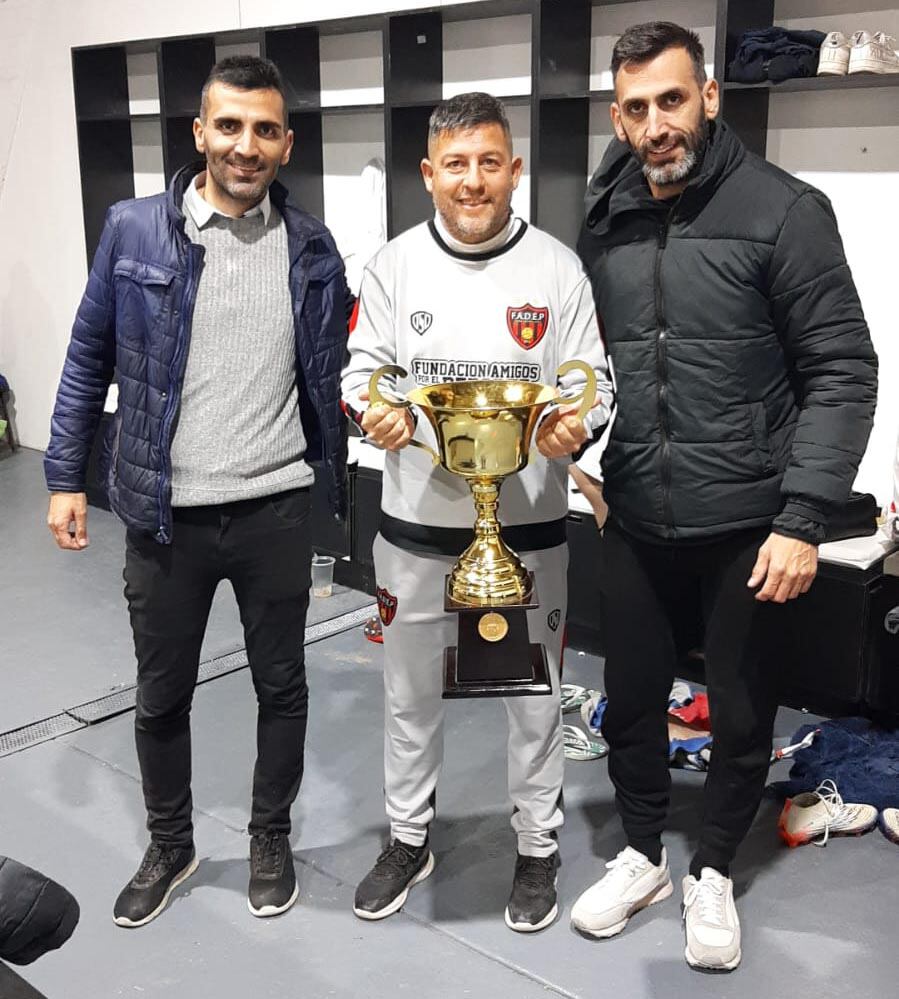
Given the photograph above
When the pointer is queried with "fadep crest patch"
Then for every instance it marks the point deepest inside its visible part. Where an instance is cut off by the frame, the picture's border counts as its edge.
(553, 619)
(527, 324)
(386, 606)
(421, 322)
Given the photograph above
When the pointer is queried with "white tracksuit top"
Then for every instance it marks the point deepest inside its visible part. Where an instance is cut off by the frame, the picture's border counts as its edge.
(518, 311)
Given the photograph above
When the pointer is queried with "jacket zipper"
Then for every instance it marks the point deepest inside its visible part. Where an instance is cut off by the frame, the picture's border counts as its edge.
(662, 373)
(176, 376)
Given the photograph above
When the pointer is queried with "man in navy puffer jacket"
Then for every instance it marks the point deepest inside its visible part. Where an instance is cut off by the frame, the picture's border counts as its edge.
(222, 308)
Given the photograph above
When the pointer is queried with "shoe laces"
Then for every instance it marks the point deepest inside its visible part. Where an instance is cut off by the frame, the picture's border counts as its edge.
(834, 806)
(266, 850)
(396, 859)
(629, 863)
(156, 859)
(709, 894)
(535, 873)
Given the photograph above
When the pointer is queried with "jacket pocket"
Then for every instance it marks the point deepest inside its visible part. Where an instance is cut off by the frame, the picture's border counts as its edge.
(142, 273)
(760, 436)
(143, 297)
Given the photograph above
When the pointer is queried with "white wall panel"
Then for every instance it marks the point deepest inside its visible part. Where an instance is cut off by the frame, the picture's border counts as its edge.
(352, 69)
(492, 54)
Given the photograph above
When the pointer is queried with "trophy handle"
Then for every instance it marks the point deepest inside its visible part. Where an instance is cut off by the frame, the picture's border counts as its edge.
(375, 398)
(588, 396)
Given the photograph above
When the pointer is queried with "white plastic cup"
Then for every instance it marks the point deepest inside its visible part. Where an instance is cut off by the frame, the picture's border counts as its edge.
(322, 575)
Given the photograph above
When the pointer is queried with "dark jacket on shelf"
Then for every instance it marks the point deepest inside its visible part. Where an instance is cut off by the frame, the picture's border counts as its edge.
(745, 371)
(36, 913)
(135, 318)
(775, 54)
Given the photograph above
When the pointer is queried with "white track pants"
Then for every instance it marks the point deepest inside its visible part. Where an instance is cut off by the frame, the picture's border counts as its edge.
(414, 709)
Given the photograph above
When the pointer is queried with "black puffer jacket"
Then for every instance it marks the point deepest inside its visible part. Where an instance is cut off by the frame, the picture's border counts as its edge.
(746, 376)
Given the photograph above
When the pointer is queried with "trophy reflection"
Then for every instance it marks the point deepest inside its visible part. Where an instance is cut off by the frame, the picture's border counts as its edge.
(483, 431)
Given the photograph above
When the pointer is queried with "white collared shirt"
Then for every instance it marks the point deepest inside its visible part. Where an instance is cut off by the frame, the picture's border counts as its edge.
(202, 212)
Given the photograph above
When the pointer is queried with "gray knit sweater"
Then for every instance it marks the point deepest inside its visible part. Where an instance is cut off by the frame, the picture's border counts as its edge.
(239, 434)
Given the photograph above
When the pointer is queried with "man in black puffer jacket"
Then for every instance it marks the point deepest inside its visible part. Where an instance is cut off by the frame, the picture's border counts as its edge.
(746, 392)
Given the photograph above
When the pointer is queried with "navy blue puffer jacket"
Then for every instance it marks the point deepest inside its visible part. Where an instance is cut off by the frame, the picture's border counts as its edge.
(134, 320)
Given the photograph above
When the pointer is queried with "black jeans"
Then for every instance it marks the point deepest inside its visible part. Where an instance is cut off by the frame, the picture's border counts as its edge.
(644, 589)
(263, 547)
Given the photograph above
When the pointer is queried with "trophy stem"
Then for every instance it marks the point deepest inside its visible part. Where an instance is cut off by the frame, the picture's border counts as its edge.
(488, 573)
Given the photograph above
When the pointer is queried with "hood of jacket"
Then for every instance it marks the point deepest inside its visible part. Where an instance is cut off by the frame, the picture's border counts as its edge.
(618, 185)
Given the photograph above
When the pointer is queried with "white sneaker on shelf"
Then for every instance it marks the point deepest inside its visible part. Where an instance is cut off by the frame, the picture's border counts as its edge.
(873, 53)
(631, 884)
(833, 59)
(710, 921)
(822, 813)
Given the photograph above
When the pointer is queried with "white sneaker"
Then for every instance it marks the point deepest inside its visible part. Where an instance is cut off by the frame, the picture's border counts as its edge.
(631, 884)
(711, 922)
(889, 824)
(822, 813)
(873, 53)
(833, 59)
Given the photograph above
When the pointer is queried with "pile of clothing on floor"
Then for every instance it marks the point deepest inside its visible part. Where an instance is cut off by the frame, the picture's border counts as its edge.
(843, 783)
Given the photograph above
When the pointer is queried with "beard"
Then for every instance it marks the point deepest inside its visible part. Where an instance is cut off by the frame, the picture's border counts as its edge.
(692, 142)
(250, 192)
(472, 230)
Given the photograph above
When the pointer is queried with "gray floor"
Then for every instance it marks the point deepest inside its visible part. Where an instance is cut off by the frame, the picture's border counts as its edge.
(815, 921)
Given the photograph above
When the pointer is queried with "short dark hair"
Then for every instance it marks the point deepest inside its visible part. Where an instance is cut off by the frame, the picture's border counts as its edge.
(245, 72)
(642, 42)
(467, 111)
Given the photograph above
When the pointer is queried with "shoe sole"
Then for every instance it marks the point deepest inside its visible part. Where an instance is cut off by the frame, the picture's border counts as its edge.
(724, 967)
(129, 924)
(534, 927)
(872, 66)
(400, 900)
(800, 839)
(659, 895)
(275, 910)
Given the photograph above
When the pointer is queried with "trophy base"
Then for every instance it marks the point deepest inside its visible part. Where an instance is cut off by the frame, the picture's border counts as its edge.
(494, 656)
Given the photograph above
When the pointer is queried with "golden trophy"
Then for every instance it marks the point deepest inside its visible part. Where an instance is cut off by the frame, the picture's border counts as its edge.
(483, 431)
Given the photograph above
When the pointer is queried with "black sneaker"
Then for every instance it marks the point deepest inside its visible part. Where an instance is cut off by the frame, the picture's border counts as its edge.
(147, 893)
(532, 904)
(273, 880)
(384, 889)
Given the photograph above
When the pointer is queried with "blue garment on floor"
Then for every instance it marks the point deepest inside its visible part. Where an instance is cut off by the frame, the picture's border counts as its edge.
(861, 758)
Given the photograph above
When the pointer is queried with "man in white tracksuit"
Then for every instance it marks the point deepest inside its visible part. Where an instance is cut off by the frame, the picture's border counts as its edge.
(473, 294)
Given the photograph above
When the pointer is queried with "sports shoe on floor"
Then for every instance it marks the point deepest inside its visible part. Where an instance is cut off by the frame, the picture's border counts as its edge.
(273, 881)
(833, 59)
(710, 921)
(631, 884)
(889, 824)
(147, 893)
(373, 631)
(532, 904)
(822, 813)
(386, 886)
(873, 53)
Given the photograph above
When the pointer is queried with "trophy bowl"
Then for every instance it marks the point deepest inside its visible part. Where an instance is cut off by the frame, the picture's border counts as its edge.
(483, 431)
